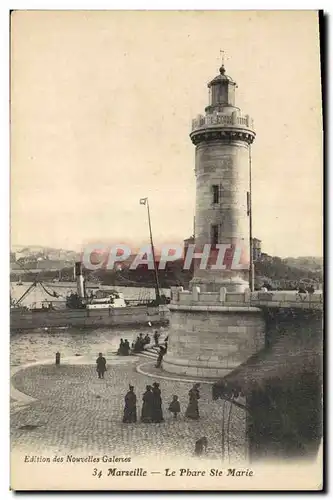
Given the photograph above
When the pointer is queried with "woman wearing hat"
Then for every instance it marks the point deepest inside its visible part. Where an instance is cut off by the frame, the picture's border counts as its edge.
(130, 407)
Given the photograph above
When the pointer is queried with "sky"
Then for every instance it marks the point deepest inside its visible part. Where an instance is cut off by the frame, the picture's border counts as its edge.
(101, 110)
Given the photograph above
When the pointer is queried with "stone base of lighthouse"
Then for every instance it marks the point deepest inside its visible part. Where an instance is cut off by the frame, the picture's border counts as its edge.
(211, 333)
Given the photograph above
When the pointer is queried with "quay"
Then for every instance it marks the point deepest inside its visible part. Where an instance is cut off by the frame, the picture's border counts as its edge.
(70, 411)
(85, 318)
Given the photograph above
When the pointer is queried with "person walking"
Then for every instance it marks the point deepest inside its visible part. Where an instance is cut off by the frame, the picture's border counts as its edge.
(192, 410)
(130, 407)
(101, 365)
(162, 352)
(156, 337)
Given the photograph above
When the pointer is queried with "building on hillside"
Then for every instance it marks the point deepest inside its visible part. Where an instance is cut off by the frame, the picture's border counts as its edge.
(187, 242)
(266, 258)
(27, 262)
(53, 265)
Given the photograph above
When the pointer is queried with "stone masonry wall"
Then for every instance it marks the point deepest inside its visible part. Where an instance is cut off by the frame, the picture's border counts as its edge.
(211, 344)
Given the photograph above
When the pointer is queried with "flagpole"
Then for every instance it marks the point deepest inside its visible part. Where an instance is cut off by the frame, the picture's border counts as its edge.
(157, 288)
(250, 223)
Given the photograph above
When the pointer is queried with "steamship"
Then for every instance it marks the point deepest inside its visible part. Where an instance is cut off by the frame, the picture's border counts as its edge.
(100, 299)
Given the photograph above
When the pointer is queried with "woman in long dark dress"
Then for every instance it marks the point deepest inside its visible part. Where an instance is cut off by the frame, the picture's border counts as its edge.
(126, 348)
(130, 406)
(120, 351)
(193, 408)
(157, 404)
(147, 407)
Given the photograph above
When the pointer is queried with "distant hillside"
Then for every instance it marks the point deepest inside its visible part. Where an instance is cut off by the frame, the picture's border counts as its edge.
(37, 248)
(274, 272)
(279, 274)
(172, 275)
(306, 263)
(38, 251)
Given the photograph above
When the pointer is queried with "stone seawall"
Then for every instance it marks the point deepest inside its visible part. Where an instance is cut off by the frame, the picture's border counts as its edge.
(211, 333)
(303, 325)
(210, 342)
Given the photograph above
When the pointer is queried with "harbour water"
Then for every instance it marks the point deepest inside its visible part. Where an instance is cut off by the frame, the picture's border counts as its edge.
(38, 345)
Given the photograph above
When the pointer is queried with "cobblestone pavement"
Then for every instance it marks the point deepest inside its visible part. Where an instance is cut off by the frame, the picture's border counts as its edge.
(76, 412)
(149, 367)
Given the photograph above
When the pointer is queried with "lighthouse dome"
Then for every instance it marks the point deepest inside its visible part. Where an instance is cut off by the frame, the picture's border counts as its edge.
(222, 78)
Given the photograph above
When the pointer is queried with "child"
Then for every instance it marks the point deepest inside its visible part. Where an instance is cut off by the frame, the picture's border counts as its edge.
(174, 406)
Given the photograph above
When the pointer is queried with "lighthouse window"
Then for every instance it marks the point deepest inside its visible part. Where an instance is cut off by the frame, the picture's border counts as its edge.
(215, 189)
(215, 234)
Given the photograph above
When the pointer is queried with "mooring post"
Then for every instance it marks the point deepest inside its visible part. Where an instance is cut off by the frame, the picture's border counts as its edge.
(57, 359)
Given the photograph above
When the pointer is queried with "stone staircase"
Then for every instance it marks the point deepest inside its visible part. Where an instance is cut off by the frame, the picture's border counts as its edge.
(151, 352)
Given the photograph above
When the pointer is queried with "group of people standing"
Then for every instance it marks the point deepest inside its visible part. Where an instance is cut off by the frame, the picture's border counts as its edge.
(139, 345)
(151, 411)
(140, 342)
(124, 348)
(152, 405)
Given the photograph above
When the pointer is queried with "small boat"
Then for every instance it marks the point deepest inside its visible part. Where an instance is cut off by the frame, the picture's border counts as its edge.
(109, 301)
(19, 283)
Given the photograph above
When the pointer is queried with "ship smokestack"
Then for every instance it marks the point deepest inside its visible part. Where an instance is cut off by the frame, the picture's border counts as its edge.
(79, 279)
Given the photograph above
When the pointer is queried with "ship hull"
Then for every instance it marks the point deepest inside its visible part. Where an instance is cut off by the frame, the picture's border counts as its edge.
(84, 318)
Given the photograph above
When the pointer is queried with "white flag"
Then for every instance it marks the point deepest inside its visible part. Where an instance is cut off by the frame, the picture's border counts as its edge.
(143, 201)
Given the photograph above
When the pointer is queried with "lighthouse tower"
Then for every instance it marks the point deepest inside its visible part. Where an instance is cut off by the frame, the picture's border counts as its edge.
(222, 138)
(213, 328)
